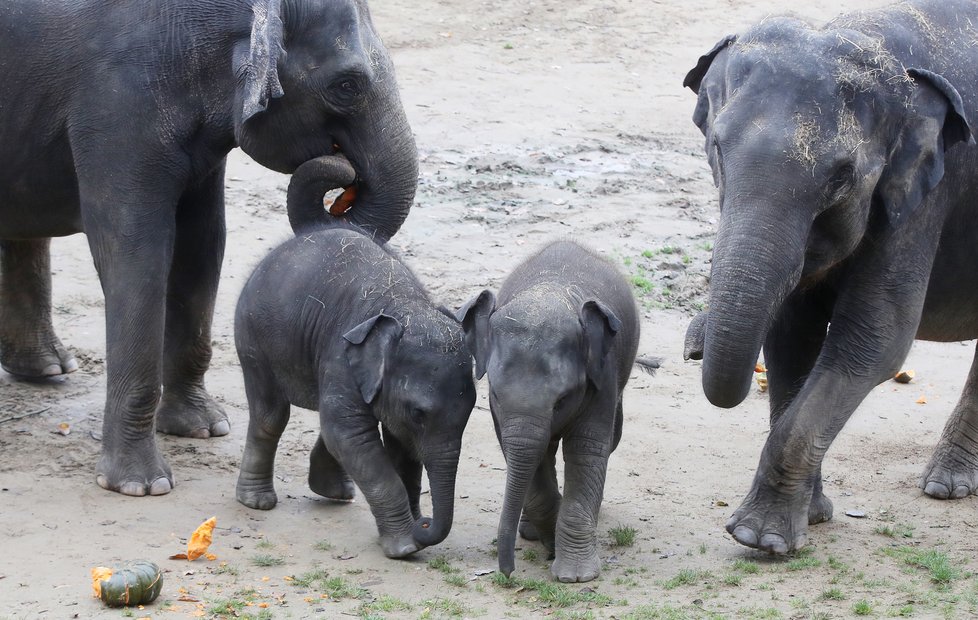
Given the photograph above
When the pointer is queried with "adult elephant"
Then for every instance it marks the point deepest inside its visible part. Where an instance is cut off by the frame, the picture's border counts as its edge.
(847, 177)
(115, 120)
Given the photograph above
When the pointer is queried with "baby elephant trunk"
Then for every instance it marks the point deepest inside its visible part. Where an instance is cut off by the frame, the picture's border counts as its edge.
(524, 453)
(309, 184)
(442, 469)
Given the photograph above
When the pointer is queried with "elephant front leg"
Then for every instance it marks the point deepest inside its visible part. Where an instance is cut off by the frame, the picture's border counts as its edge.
(351, 434)
(28, 344)
(953, 469)
(187, 410)
(790, 351)
(542, 504)
(586, 455)
(327, 477)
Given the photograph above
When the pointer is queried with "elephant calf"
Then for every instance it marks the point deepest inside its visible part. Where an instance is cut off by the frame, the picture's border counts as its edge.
(332, 321)
(558, 345)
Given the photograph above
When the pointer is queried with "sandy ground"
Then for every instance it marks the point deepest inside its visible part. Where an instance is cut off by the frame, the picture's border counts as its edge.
(535, 119)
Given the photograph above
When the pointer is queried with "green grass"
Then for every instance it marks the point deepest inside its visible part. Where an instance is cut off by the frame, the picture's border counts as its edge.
(266, 560)
(685, 577)
(622, 536)
(530, 555)
(937, 563)
(442, 606)
(307, 579)
(226, 569)
(748, 567)
(456, 579)
(803, 563)
(264, 543)
(895, 531)
(323, 545)
(503, 581)
(384, 604)
(440, 563)
(643, 284)
(832, 594)
(862, 608)
(732, 579)
(337, 588)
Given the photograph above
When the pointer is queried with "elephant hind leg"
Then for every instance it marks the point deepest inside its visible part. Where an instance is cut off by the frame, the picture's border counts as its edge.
(953, 469)
(327, 477)
(268, 412)
(28, 345)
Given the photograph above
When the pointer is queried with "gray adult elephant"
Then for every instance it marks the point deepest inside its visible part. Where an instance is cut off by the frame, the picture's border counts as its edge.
(115, 120)
(847, 177)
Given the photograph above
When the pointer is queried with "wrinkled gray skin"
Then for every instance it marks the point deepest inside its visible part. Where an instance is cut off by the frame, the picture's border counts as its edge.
(558, 345)
(333, 322)
(846, 170)
(132, 107)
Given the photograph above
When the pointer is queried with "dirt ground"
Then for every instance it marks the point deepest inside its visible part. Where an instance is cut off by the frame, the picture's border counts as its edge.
(535, 119)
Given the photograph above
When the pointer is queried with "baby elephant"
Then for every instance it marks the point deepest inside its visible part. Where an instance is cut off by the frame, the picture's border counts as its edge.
(332, 321)
(558, 345)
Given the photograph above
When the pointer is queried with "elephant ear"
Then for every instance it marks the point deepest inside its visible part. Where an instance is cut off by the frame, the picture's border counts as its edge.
(935, 121)
(600, 327)
(369, 348)
(256, 64)
(474, 317)
(695, 76)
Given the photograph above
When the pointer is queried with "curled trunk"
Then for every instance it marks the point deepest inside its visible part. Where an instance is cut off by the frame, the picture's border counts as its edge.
(309, 184)
(441, 478)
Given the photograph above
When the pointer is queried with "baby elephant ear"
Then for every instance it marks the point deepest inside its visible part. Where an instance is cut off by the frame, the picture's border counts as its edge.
(369, 347)
(600, 327)
(474, 317)
(695, 75)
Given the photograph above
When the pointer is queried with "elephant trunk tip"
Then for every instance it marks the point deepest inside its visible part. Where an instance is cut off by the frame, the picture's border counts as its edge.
(427, 534)
(507, 564)
(725, 396)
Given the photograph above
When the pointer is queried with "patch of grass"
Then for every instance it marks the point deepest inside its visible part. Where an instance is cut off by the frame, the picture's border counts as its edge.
(264, 543)
(266, 560)
(836, 564)
(832, 594)
(622, 535)
(337, 588)
(307, 579)
(559, 595)
(441, 564)
(935, 562)
(702, 548)
(323, 545)
(895, 531)
(748, 567)
(503, 581)
(643, 284)
(803, 563)
(647, 253)
(442, 606)
(382, 605)
(226, 569)
(656, 612)
(530, 555)
(862, 607)
(685, 577)
(906, 610)
(732, 579)
(456, 579)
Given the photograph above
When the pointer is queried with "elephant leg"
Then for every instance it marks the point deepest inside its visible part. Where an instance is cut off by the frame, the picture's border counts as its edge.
(28, 344)
(327, 477)
(953, 469)
(129, 222)
(268, 415)
(187, 410)
(352, 437)
(586, 450)
(790, 351)
(542, 504)
(408, 468)
(873, 326)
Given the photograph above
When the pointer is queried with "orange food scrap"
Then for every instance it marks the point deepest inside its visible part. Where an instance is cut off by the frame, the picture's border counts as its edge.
(758, 367)
(904, 376)
(99, 574)
(263, 605)
(344, 201)
(922, 400)
(210, 556)
(200, 540)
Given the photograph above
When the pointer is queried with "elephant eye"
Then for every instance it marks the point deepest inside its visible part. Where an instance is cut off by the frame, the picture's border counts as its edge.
(418, 415)
(346, 90)
(840, 183)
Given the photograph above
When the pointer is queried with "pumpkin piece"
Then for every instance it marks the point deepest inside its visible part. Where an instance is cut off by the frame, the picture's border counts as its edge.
(200, 540)
(344, 201)
(135, 583)
(904, 376)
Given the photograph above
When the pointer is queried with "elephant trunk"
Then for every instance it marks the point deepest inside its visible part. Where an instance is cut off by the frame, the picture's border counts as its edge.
(309, 183)
(442, 470)
(757, 261)
(524, 452)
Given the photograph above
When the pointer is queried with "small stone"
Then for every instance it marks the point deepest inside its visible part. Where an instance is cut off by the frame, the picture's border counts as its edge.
(856, 514)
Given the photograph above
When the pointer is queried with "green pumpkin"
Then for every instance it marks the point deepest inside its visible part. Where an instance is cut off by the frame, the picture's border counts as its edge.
(136, 583)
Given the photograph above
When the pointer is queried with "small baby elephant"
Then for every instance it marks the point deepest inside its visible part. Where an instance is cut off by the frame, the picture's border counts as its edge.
(332, 321)
(558, 345)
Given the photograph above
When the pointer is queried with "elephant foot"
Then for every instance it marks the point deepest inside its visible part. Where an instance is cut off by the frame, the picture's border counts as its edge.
(257, 494)
(36, 357)
(333, 484)
(527, 530)
(139, 470)
(770, 522)
(576, 569)
(820, 509)
(191, 413)
(953, 470)
(399, 545)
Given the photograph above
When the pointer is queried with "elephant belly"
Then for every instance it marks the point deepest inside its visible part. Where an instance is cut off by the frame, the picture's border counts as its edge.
(951, 306)
(38, 193)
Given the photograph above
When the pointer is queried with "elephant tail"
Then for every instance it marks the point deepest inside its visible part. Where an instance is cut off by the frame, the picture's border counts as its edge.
(648, 364)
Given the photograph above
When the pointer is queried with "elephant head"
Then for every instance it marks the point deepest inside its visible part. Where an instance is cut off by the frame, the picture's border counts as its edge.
(418, 380)
(314, 80)
(820, 141)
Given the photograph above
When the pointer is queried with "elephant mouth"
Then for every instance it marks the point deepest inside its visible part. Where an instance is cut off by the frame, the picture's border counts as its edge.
(346, 198)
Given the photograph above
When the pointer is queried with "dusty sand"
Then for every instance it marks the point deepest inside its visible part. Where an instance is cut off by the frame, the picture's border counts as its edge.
(534, 119)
